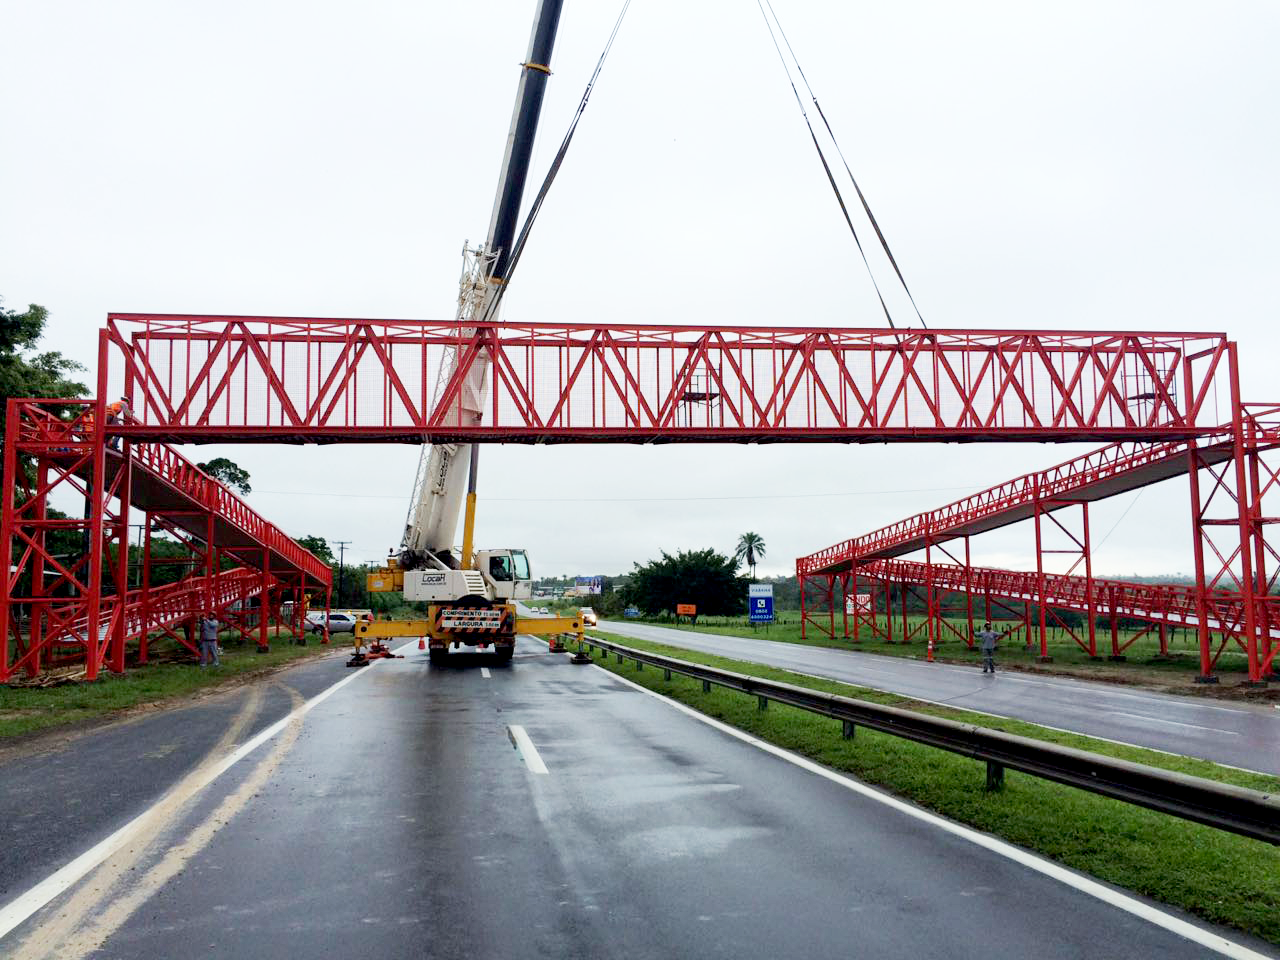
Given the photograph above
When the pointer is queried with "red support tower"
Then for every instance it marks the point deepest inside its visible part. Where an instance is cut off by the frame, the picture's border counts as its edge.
(67, 598)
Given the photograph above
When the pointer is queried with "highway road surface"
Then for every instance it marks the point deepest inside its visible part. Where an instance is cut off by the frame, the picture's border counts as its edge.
(1241, 735)
(535, 810)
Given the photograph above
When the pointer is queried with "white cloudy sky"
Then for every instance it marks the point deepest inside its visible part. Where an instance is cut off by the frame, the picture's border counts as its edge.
(1088, 165)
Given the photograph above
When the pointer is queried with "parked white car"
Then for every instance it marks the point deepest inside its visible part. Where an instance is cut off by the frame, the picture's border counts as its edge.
(338, 622)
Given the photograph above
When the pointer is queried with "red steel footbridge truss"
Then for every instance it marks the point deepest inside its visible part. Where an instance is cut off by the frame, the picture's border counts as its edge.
(1231, 473)
(192, 379)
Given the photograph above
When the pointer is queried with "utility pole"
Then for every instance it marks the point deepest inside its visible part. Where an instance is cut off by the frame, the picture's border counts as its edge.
(342, 552)
(138, 565)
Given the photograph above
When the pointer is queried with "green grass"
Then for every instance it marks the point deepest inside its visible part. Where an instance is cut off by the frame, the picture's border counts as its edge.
(27, 710)
(1218, 876)
(1142, 655)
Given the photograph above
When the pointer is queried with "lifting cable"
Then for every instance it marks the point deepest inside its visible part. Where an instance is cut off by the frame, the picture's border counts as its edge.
(826, 167)
(518, 247)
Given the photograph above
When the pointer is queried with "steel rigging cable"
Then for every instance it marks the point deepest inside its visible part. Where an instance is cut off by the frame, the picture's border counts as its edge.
(826, 167)
(518, 247)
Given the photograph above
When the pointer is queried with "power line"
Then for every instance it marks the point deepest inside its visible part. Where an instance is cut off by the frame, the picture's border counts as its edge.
(1132, 502)
(750, 496)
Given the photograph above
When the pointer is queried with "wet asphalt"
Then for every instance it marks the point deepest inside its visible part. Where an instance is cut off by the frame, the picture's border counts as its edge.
(1240, 735)
(63, 792)
(402, 822)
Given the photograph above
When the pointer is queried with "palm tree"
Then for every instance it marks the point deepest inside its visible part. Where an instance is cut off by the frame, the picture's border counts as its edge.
(750, 548)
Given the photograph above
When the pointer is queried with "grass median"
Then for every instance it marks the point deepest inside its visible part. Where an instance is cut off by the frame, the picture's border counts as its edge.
(1217, 876)
(26, 710)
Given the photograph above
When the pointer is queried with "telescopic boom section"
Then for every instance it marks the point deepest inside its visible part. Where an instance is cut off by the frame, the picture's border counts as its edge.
(438, 488)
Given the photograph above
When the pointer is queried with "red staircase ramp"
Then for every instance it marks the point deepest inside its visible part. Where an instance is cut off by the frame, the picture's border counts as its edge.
(83, 606)
(1103, 473)
(168, 484)
(1097, 475)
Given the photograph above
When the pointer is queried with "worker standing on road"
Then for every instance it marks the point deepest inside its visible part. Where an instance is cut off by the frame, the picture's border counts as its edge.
(988, 638)
(209, 640)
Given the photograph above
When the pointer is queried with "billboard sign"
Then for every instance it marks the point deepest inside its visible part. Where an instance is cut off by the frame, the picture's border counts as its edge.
(588, 585)
(760, 603)
(858, 603)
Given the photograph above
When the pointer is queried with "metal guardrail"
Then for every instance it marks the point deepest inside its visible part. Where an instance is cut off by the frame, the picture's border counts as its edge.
(1249, 813)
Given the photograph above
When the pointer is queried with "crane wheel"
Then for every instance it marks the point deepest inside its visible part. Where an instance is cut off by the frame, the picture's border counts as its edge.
(438, 656)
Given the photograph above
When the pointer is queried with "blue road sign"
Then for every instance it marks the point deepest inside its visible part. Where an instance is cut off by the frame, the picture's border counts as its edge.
(760, 603)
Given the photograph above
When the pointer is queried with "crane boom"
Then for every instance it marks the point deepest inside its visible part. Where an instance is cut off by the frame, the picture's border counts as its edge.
(440, 483)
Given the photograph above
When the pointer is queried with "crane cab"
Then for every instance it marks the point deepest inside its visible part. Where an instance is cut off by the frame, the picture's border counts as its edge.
(506, 573)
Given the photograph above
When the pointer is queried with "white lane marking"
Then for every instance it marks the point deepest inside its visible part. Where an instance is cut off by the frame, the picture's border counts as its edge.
(16, 911)
(484, 672)
(1086, 885)
(526, 748)
(1172, 723)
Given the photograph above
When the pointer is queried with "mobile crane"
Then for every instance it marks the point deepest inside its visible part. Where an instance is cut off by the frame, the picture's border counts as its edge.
(471, 597)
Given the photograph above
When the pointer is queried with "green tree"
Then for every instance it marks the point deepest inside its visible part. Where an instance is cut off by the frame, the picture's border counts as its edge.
(229, 473)
(26, 372)
(750, 549)
(320, 547)
(702, 577)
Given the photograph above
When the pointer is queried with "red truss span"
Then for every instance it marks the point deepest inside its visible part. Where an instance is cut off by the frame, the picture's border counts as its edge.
(315, 380)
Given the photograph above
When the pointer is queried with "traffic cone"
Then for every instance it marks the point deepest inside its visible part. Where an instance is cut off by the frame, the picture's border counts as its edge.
(931, 650)
(422, 643)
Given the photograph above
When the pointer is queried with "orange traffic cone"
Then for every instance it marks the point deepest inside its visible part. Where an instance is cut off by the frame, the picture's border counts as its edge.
(422, 643)
(931, 650)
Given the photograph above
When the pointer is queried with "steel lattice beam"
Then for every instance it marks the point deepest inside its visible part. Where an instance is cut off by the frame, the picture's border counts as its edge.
(317, 380)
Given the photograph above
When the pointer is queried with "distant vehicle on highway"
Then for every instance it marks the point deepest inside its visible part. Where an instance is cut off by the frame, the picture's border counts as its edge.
(589, 618)
(338, 622)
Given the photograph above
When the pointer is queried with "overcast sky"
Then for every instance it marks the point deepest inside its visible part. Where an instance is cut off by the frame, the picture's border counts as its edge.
(1056, 166)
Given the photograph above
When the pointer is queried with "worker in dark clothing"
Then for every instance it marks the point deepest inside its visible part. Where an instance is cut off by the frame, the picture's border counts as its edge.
(209, 640)
(987, 644)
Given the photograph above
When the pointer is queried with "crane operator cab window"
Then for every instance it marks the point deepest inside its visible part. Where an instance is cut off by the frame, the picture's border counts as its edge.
(520, 564)
(500, 568)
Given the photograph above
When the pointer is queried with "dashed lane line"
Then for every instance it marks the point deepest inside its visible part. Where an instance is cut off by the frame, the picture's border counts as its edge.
(532, 759)
(16, 911)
